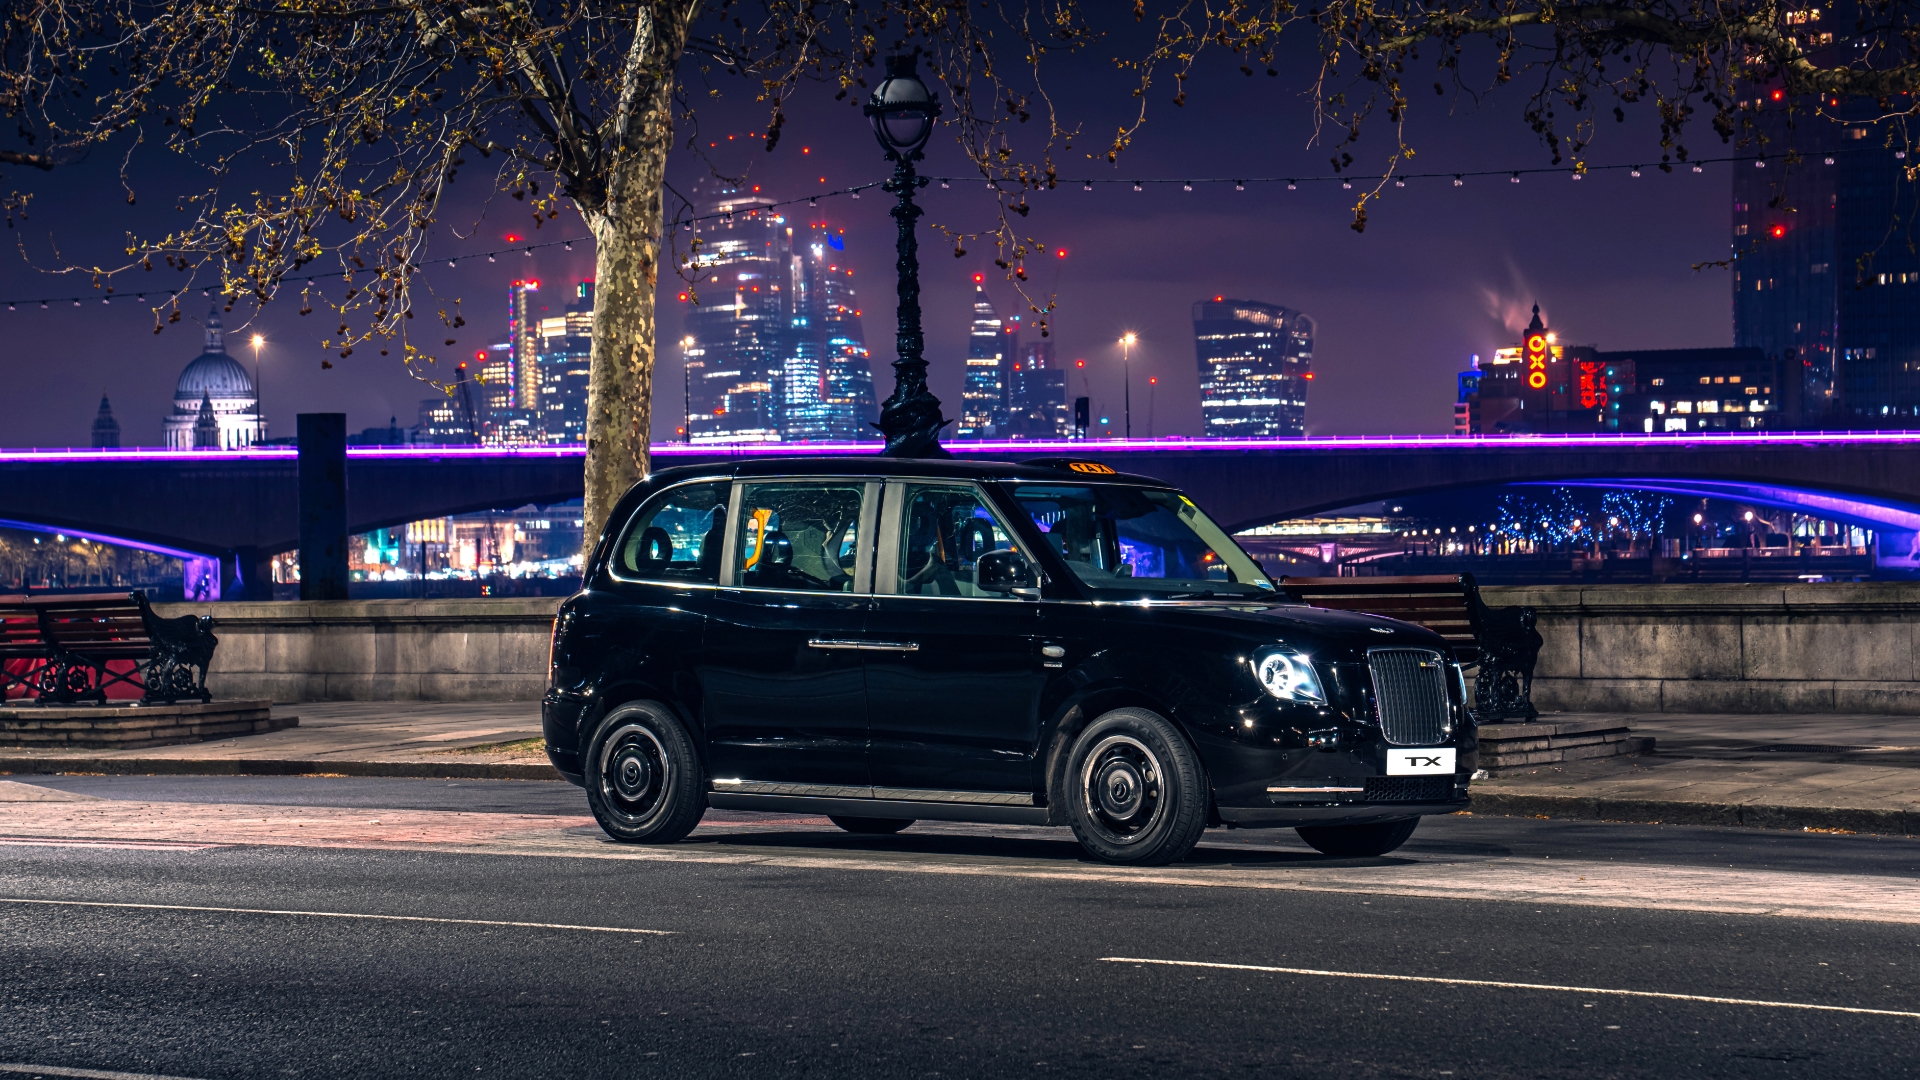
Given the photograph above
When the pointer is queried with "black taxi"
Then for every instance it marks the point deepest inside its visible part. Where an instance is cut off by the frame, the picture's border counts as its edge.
(1050, 643)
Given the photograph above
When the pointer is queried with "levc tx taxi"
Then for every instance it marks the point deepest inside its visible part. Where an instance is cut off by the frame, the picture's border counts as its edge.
(884, 641)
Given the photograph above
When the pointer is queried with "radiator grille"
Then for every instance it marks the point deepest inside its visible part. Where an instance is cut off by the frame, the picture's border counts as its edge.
(1409, 789)
(1410, 691)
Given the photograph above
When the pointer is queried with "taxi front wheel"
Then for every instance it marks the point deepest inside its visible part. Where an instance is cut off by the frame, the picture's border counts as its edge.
(1136, 794)
(644, 780)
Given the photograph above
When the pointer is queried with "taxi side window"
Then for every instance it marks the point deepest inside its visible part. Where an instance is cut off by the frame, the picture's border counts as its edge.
(944, 529)
(801, 535)
(677, 536)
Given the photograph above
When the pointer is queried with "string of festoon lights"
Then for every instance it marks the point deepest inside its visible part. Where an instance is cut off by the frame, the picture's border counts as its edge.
(1291, 183)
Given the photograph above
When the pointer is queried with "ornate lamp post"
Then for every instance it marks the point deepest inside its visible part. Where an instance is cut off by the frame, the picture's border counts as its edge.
(902, 110)
(259, 413)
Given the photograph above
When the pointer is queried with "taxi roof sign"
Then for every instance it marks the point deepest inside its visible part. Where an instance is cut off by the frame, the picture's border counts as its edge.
(1091, 468)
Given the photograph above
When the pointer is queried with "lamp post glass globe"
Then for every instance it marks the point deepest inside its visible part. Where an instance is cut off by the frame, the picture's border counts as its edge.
(902, 110)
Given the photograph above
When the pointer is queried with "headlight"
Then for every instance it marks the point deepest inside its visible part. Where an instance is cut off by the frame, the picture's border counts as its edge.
(1287, 675)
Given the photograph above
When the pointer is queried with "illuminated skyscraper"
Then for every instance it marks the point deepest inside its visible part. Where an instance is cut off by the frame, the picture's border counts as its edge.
(523, 332)
(1037, 395)
(1818, 283)
(827, 380)
(566, 349)
(740, 324)
(990, 347)
(1255, 363)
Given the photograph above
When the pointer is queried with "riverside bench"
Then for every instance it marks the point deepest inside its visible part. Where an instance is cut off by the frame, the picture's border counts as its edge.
(65, 647)
(1500, 642)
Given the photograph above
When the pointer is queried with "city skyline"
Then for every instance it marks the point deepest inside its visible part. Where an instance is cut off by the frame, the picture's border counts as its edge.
(1455, 268)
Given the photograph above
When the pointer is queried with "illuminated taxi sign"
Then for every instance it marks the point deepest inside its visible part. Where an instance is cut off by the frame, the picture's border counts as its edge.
(1536, 349)
(1090, 467)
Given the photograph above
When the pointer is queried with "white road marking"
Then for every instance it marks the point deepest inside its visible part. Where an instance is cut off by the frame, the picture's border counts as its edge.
(1514, 986)
(123, 845)
(333, 915)
(83, 1074)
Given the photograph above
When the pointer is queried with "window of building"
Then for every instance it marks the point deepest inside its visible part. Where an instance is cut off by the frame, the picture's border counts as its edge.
(1709, 406)
(1731, 379)
(1659, 382)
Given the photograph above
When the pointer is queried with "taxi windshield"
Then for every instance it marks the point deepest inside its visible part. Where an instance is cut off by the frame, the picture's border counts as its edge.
(1141, 542)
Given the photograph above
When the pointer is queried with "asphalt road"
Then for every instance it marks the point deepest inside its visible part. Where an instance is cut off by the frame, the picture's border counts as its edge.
(815, 969)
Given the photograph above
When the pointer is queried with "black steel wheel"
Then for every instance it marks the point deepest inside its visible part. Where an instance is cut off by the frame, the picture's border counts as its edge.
(1358, 841)
(1136, 793)
(870, 826)
(644, 779)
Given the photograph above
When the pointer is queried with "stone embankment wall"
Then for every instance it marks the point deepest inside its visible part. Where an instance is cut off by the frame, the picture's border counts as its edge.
(1828, 648)
(379, 650)
(1837, 647)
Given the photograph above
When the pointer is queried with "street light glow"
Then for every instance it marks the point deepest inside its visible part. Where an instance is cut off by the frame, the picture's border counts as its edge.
(259, 340)
(1128, 339)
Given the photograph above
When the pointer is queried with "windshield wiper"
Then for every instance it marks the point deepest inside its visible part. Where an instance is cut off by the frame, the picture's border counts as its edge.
(1207, 595)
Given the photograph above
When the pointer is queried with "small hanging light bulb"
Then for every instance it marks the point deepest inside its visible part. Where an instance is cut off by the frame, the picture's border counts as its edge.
(1459, 181)
(1514, 179)
(1137, 187)
(1635, 173)
(1086, 185)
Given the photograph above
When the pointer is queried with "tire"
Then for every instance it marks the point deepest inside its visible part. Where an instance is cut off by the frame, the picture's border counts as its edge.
(870, 826)
(1136, 794)
(645, 782)
(1358, 841)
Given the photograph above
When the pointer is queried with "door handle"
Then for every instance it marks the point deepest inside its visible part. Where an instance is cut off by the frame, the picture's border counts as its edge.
(863, 646)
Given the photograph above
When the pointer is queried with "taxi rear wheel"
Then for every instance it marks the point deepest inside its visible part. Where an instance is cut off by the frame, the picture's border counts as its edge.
(870, 826)
(1358, 841)
(1136, 794)
(644, 780)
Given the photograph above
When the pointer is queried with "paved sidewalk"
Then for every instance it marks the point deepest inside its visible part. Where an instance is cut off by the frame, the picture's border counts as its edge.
(346, 738)
(1845, 773)
(1840, 773)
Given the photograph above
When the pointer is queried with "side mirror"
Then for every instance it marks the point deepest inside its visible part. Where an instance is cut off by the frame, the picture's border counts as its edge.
(1003, 571)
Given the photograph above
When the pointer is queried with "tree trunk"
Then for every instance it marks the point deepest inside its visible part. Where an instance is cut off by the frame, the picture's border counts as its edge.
(627, 270)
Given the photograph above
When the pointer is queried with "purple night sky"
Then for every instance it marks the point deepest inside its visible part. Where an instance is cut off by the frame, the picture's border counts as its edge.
(1441, 272)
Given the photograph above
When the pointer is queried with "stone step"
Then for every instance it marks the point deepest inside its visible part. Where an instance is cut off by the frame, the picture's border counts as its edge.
(129, 726)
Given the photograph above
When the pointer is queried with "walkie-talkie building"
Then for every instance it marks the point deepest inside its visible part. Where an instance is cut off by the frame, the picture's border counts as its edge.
(1255, 363)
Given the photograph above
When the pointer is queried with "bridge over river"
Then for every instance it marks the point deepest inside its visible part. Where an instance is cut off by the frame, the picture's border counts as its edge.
(243, 505)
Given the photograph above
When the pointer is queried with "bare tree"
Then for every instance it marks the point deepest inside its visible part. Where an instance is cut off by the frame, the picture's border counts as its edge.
(348, 121)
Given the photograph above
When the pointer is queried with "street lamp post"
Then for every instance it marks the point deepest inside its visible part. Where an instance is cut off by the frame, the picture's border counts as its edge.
(259, 415)
(902, 111)
(1126, 379)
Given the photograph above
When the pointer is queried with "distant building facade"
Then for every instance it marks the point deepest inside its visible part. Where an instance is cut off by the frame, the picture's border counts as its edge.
(1037, 395)
(827, 376)
(1256, 361)
(223, 386)
(1820, 282)
(1544, 386)
(739, 323)
(564, 364)
(991, 343)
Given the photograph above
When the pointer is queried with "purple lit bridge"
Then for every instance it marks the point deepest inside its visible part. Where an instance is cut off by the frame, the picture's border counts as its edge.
(240, 506)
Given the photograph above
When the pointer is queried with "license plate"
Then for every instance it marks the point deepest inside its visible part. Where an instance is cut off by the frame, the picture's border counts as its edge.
(1420, 762)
